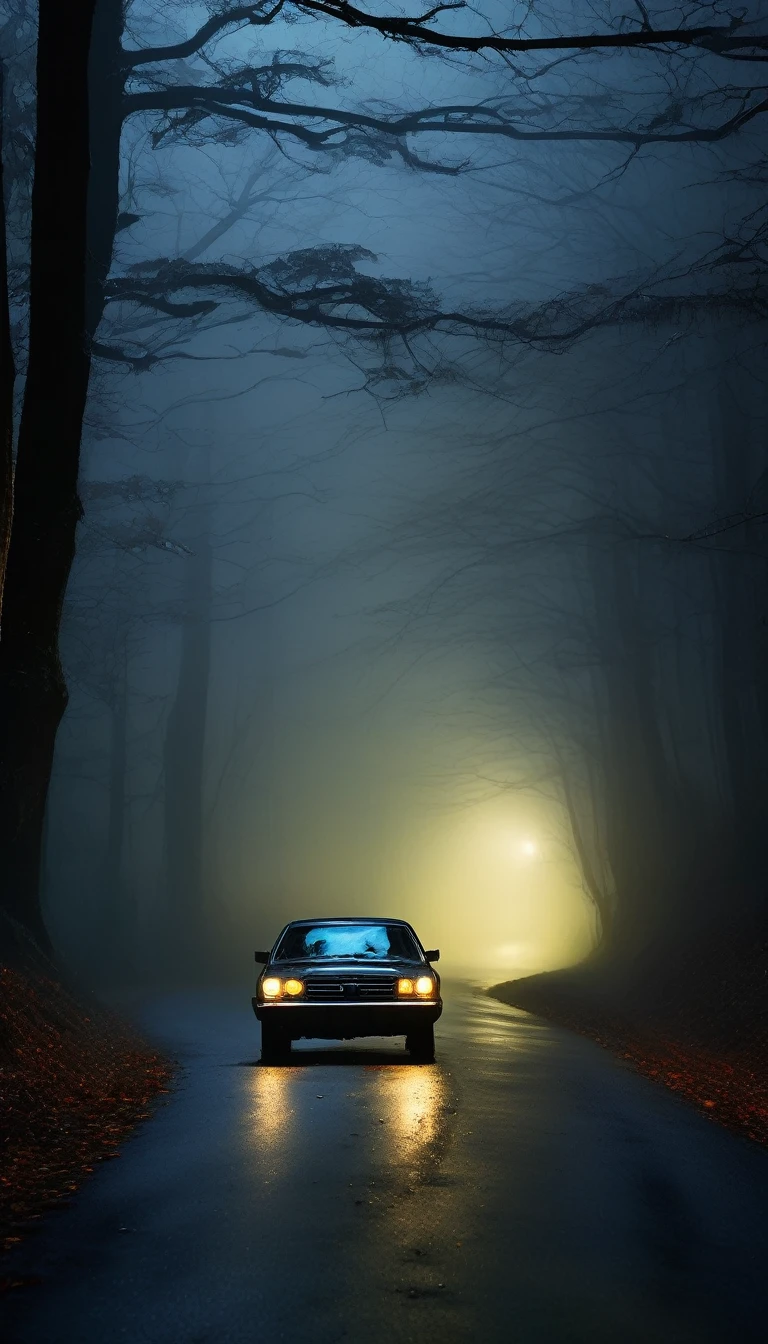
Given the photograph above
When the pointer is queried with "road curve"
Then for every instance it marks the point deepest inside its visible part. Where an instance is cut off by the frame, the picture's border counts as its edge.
(526, 1188)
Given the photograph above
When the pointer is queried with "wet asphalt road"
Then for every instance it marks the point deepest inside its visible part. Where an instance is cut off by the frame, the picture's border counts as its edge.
(525, 1188)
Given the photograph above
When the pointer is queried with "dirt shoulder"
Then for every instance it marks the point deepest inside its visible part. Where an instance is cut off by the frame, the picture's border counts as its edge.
(74, 1081)
(730, 1087)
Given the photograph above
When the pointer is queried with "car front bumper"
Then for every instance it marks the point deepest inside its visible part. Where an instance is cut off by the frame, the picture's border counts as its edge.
(345, 1021)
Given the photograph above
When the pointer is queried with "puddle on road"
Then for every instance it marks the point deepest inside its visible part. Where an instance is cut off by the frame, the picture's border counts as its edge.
(413, 1109)
(274, 1110)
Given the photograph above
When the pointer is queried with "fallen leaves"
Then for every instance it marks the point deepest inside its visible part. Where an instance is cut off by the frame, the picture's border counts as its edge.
(731, 1090)
(72, 1086)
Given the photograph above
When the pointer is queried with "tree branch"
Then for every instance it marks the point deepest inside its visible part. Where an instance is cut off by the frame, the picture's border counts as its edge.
(253, 15)
(720, 525)
(139, 363)
(715, 37)
(163, 305)
(722, 39)
(245, 105)
(323, 287)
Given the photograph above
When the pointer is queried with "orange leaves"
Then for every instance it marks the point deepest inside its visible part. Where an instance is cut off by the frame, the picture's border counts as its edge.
(7, 1283)
(73, 1086)
(731, 1089)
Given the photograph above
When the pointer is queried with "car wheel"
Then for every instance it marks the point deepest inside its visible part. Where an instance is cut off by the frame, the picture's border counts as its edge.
(275, 1045)
(421, 1045)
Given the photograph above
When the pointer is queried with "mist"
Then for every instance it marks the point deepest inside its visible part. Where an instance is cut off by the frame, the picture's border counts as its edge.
(383, 671)
(438, 625)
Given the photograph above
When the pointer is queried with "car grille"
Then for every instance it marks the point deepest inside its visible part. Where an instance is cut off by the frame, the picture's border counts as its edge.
(348, 988)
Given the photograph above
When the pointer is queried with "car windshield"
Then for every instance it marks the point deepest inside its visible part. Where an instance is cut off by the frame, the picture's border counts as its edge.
(358, 942)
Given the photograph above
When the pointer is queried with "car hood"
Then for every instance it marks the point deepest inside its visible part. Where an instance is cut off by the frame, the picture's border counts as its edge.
(360, 969)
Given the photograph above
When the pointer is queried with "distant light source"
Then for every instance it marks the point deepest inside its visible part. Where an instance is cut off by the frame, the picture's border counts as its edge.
(529, 848)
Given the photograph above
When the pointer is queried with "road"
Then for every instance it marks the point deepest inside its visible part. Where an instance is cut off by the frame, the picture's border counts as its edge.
(525, 1188)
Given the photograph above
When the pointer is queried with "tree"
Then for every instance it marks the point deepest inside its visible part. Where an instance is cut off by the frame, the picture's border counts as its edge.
(46, 508)
(7, 372)
(109, 616)
(185, 741)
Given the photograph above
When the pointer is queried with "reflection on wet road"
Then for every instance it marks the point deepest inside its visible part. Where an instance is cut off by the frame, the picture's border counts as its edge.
(525, 1188)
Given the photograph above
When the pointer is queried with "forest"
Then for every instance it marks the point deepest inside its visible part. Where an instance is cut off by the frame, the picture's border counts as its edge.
(384, 482)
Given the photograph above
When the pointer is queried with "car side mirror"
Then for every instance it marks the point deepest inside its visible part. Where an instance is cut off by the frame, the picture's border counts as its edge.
(434, 955)
(261, 956)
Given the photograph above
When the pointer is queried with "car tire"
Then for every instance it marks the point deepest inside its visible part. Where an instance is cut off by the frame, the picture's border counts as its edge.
(420, 1045)
(275, 1045)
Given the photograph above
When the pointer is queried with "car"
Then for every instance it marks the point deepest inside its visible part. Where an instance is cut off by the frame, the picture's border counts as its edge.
(337, 979)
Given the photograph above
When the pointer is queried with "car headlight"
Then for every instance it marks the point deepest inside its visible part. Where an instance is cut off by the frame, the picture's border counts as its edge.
(425, 986)
(272, 987)
(405, 986)
(294, 987)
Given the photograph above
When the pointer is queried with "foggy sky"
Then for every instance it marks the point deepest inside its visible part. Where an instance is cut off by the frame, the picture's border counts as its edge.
(366, 752)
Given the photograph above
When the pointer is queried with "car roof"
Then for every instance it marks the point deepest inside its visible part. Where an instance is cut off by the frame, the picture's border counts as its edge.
(365, 920)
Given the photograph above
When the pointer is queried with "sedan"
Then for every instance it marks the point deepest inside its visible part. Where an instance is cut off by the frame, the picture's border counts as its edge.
(338, 979)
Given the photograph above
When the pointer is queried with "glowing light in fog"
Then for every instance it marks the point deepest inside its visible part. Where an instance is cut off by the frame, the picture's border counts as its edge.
(529, 848)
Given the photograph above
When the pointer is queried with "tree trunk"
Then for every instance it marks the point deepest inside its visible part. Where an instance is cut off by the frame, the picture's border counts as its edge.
(32, 691)
(185, 758)
(7, 376)
(118, 919)
(601, 898)
(106, 79)
(640, 804)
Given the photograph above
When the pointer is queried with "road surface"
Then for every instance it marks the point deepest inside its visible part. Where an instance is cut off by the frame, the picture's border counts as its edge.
(527, 1188)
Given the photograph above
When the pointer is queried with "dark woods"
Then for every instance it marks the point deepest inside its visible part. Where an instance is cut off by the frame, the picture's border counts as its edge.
(595, 532)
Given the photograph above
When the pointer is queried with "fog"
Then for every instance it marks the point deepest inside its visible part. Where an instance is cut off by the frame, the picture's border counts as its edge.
(341, 758)
(416, 627)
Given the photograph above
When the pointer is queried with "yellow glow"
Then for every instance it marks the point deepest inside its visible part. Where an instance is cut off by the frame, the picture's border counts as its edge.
(273, 1096)
(459, 873)
(495, 909)
(425, 984)
(413, 1103)
(271, 988)
(405, 986)
(294, 987)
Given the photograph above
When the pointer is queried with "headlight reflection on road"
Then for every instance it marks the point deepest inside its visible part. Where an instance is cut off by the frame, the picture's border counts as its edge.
(273, 1112)
(413, 1104)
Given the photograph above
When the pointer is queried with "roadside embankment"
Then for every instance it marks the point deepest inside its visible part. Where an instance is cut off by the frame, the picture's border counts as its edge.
(74, 1081)
(714, 1055)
